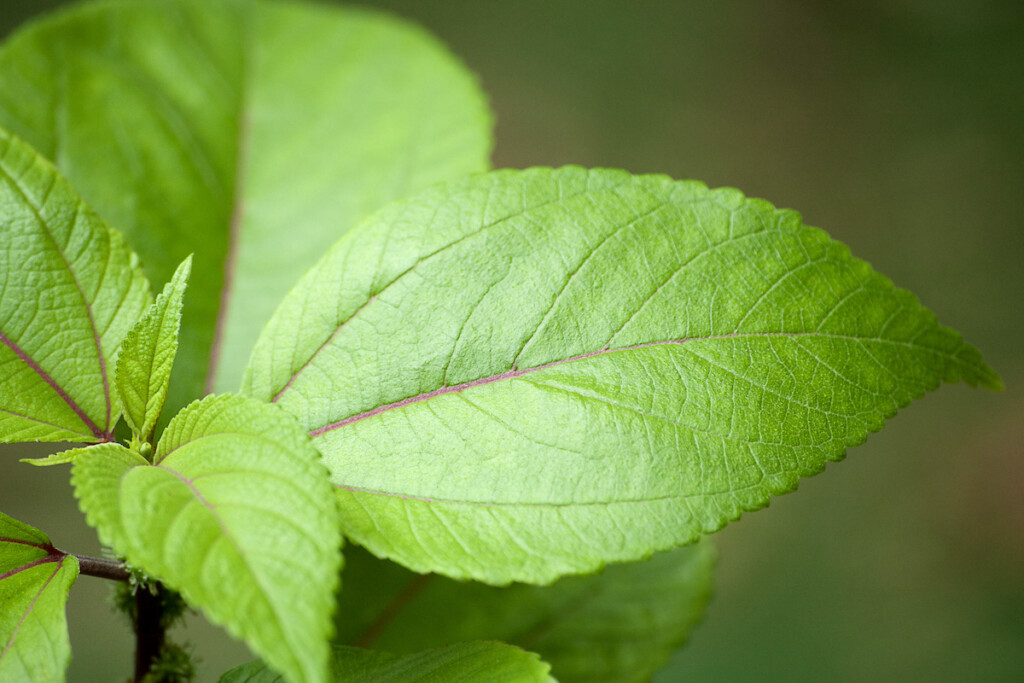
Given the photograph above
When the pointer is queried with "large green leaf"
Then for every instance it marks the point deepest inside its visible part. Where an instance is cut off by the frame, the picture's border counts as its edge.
(147, 355)
(235, 513)
(462, 663)
(69, 291)
(250, 133)
(34, 582)
(529, 374)
(619, 626)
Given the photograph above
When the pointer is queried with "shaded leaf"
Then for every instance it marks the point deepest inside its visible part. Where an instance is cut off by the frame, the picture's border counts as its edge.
(147, 355)
(69, 291)
(462, 663)
(532, 373)
(236, 514)
(34, 582)
(250, 133)
(619, 626)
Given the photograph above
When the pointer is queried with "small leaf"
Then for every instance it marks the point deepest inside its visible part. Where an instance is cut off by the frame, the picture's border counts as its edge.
(459, 663)
(250, 133)
(35, 579)
(147, 354)
(62, 458)
(619, 626)
(69, 291)
(532, 373)
(236, 514)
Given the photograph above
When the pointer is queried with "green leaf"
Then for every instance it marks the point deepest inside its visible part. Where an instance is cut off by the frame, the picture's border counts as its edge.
(236, 514)
(252, 134)
(532, 373)
(615, 627)
(69, 291)
(35, 579)
(147, 354)
(461, 663)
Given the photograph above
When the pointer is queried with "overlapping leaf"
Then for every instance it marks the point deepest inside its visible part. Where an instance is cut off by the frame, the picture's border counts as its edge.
(235, 513)
(619, 626)
(462, 663)
(34, 582)
(70, 289)
(529, 374)
(147, 355)
(251, 133)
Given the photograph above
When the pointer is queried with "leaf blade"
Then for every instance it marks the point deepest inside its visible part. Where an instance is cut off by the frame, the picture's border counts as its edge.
(295, 116)
(35, 580)
(228, 514)
(726, 351)
(71, 290)
(147, 355)
(618, 626)
(458, 663)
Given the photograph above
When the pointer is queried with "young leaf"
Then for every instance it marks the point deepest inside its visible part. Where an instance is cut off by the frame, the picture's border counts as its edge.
(250, 133)
(619, 626)
(34, 582)
(236, 514)
(530, 374)
(147, 354)
(460, 663)
(69, 291)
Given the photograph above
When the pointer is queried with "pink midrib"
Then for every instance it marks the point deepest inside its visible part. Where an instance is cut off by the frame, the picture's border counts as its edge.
(46, 377)
(513, 374)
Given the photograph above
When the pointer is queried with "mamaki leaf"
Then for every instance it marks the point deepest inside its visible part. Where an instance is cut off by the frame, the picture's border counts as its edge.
(250, 133)
(147, 355)
(533, 373)
(70, 288)
(35, 579)
(236, 514)
(461, 663)
(619, 626)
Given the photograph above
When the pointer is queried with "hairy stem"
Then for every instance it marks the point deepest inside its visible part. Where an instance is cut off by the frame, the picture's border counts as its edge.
(150, 632)
(102, 568)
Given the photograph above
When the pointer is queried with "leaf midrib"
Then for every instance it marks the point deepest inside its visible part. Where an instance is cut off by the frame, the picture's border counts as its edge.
(26, 358)
(514, 374)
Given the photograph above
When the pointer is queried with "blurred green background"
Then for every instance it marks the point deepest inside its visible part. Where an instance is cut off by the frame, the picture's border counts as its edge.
(898, 126)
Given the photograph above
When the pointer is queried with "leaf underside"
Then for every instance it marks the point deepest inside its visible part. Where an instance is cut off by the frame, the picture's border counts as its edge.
(619, 626)
(532, 373)
(460, 663)
(235, 513)
(34, 583)
(250, 133)
(69, 291)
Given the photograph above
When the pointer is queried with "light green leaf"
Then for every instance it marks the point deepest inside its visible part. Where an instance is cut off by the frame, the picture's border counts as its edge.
(35, 579)
(619, 626)
(250, 133)
(532, 373)
(69, 291)
(147, 354)
(461, 663)
(236, 514)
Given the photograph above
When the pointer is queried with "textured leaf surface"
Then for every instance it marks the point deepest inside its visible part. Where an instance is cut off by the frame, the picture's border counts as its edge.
(461, 663)
(69, 291)
(34, 582)
(147, 355)
(236, 514)
(251, 133)
(619, 626)
(529, 374)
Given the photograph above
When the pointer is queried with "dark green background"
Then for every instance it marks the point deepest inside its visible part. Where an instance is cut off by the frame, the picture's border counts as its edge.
(896, 126)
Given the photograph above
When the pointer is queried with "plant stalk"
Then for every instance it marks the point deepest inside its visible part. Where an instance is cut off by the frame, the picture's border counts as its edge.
(150, 633)
(102, 568)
